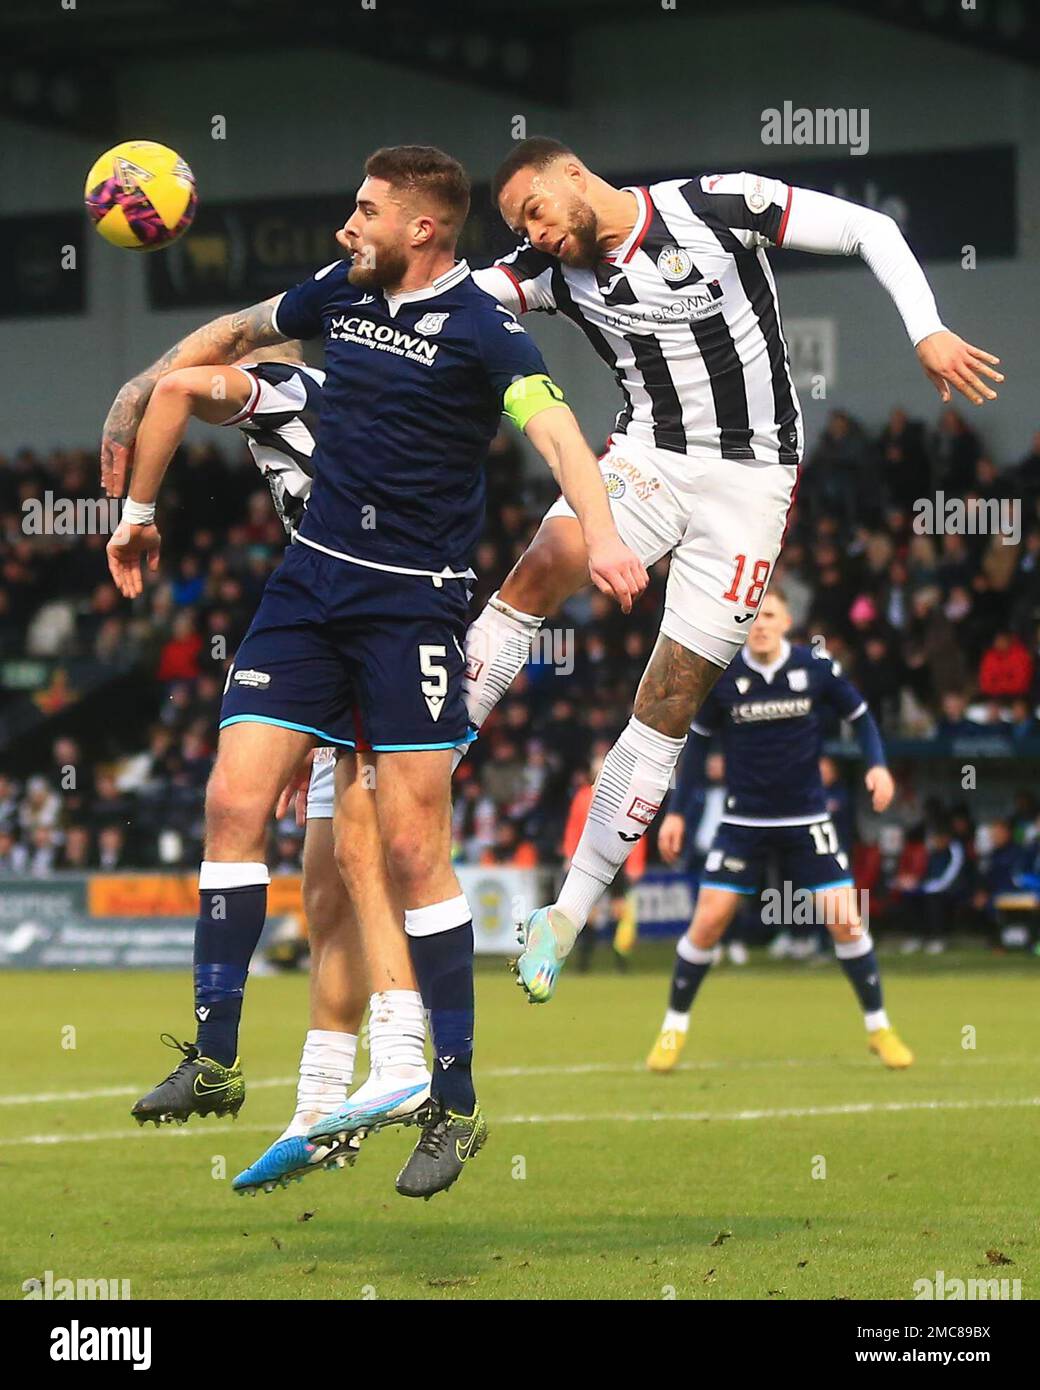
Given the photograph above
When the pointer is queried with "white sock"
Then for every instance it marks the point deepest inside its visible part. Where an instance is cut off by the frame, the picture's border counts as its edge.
(636, 775)
(878, 1019)
(674, 1021)
(696, 955)
(397, 1029)
(326, 1071)
(498, 644)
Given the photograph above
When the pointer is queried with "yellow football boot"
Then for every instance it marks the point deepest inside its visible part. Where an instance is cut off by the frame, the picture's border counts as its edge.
(890, 1048)
(666, 1050)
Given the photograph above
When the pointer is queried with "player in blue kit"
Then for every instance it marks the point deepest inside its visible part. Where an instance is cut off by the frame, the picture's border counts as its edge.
(357, 641)
(770, 708)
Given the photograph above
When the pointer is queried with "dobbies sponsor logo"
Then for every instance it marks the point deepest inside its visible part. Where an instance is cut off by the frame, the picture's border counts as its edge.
(969, 516)
(254, 679)
(380, 337)
(78, 1342)
(803, 125)
(968, 1289)
(67, 516)
(51, 1287)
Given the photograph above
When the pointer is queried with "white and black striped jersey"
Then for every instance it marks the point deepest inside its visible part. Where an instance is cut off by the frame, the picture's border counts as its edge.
(280, 425)
(685, 314)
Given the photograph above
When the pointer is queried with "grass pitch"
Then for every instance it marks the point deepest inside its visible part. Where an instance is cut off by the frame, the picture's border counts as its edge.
(598, 1180)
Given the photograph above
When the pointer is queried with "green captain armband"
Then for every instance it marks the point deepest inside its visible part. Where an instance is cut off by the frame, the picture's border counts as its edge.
(528, 397)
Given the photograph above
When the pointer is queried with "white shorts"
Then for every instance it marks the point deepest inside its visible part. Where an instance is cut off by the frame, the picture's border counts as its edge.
(721, 520)
(321, 793)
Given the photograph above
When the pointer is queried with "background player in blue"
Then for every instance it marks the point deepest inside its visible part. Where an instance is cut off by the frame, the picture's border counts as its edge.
(358, 638)
(770, 708)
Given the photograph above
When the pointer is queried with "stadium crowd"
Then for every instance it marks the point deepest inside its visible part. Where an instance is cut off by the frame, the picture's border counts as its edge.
(941, 633)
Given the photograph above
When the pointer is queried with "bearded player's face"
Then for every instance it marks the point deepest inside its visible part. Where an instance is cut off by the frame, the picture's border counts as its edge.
(548, 207)
(376, 237)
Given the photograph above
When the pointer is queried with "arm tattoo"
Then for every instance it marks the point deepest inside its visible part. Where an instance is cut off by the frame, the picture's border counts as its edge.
(220, 341)
(673, 688)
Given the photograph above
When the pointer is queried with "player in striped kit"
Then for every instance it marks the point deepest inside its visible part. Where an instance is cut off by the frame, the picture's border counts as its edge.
(671, 286)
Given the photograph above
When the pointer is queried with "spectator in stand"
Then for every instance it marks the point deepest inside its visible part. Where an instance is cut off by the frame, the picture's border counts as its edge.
(938, 892)
(957, 450)
(180, 655)
(906, 468)
(9, 801)
(1026, 474)
(109, 805)
(1006, 670)
(1022, 723)
(75, 853)
(111, 853)
(41, 807)
(43, 851)
(14, 857)
(510, 849)
(955, 723)
(838, 471)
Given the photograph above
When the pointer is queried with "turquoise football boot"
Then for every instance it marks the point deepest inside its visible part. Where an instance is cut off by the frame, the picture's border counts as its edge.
(547, 939)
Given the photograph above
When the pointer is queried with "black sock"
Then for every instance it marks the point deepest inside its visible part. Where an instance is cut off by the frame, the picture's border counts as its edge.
(686, 981)
(865, 978)
(443, 962)
(228, 927)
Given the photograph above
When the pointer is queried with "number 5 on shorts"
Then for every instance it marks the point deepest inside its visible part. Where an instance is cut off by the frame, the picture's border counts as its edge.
(435, 686)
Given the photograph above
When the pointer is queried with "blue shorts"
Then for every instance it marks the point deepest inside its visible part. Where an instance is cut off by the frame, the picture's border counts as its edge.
(356, 656)
(807, 856)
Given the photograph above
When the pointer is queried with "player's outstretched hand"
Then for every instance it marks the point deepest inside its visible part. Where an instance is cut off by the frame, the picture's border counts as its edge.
(881, 787)
(294, 793)
(670, 837)
(617, 571)
(950, 361)
(126, 549)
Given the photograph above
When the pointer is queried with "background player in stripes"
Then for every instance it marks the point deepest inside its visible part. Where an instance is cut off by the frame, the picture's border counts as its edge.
(771, 711)
(672, 288)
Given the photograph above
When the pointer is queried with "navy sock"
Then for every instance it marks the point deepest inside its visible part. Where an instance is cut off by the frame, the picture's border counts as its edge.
(443, 962)
(686, 981)
(226, 933)
(865, 978)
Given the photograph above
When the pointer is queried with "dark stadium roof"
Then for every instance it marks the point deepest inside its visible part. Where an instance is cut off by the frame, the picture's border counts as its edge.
(58, 67)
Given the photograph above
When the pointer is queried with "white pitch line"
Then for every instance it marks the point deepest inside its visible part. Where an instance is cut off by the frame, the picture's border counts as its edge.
(652, 1117)
(576, 1069)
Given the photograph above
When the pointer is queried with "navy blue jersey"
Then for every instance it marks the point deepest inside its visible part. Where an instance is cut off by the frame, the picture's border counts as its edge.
(772, 722)
(412, 399)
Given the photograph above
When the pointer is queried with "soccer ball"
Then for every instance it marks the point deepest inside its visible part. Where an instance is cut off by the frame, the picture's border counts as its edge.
(141, 195)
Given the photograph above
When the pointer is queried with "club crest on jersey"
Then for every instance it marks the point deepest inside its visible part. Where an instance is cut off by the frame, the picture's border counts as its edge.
(430, 324)
(743, 684)
(674, 263)
(615, 485)
(798, 680)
